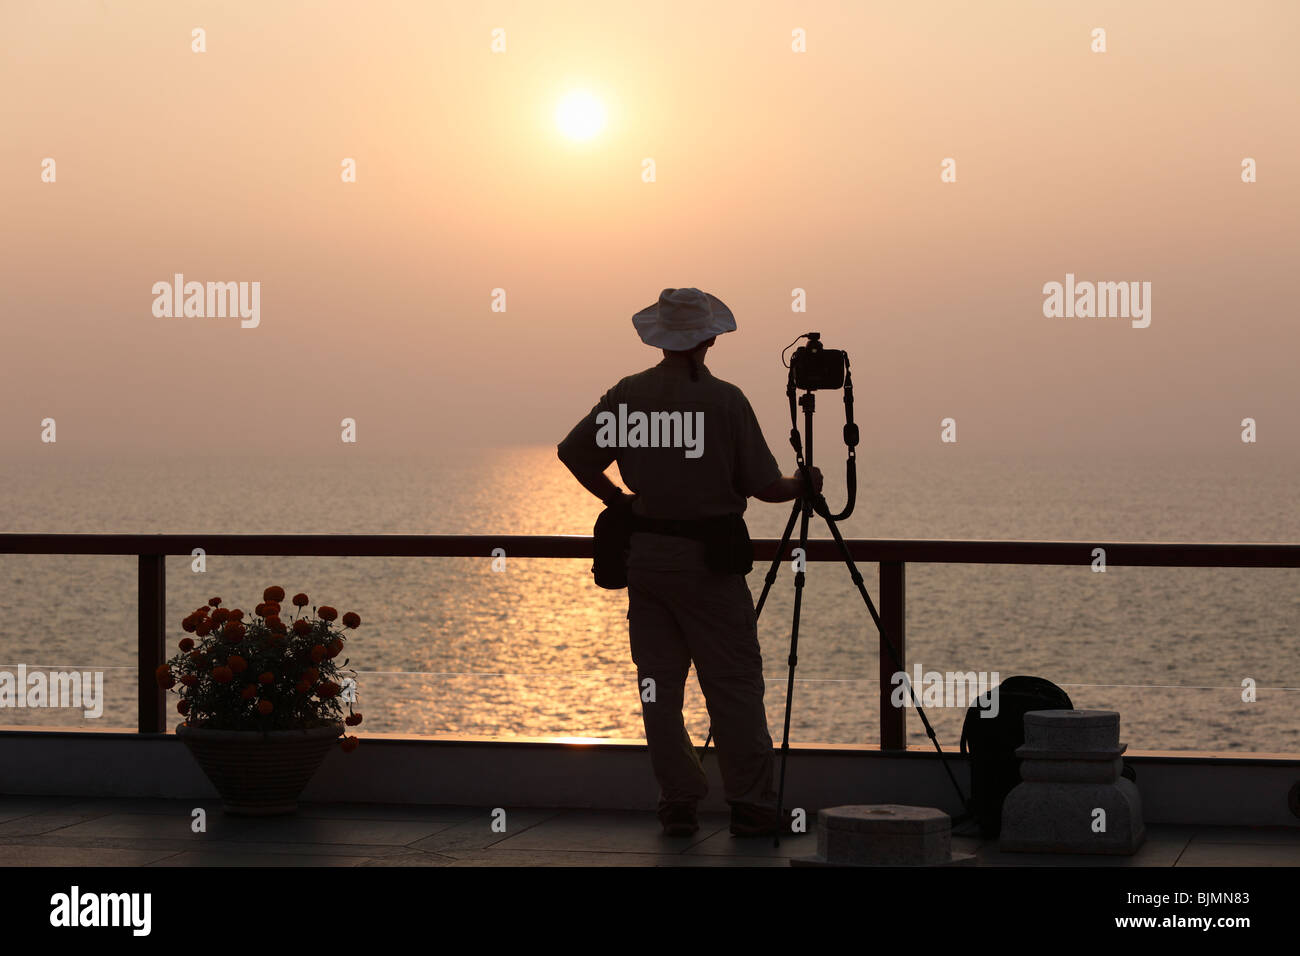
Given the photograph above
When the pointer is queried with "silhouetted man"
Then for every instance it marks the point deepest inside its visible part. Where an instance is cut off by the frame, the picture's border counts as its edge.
(690, 449)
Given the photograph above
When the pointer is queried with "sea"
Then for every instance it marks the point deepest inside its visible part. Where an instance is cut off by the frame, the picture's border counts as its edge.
(1193, 659)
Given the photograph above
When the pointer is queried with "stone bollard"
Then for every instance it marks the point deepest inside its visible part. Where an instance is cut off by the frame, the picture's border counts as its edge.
(883, 835)
(1072, 798)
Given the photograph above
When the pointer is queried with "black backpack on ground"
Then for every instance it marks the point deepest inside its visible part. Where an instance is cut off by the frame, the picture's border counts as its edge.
(991, 743)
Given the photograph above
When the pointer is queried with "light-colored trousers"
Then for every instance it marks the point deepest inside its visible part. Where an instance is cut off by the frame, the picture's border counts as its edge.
(679, 616)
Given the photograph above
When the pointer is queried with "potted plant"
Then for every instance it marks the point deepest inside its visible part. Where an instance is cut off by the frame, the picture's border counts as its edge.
(262, 697)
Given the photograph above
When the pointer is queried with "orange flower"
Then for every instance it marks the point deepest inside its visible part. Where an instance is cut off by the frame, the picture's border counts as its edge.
(300, 600)
(222, 674)
(352, 619)
(264, 707)
(199, 658)
(202, 611)
(271, 608)
(260, 610)
(234, 631)
(352, 719)
(236, 615)
(164, 677)
(237, 663)
(328, 689)
(189, 680)
(317, 653)
(301, 627)
(303, 686)
(327, 613)
(276, 625)
(335, 647)
(183, 706)
(273, 593)
(161, 671)
(311, 675)
(266, 677)
(349, 744)
(215, 602)
(248, 691)
(189, 624)
(220, 616)
(203, 628)
(187, 644)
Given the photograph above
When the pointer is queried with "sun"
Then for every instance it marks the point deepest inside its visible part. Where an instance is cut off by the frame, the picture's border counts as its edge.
(580, 115)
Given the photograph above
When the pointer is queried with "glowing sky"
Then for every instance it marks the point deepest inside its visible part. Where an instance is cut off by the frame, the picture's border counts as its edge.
(773, 170)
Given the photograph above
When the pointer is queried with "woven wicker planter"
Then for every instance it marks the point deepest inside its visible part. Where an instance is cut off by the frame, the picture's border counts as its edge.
(260, 774)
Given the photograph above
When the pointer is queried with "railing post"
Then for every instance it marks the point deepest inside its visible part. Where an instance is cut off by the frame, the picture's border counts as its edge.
(152, 717)
(893, 724)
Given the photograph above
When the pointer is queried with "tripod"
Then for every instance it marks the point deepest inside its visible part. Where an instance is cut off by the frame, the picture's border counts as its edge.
(802, 511)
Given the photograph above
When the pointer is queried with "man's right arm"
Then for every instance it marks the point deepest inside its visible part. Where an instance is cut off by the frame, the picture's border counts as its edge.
(755, 462)
(788, 489)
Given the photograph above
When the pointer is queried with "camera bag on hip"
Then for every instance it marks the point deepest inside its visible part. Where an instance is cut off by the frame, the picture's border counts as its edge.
(727, 548)
(611, 538)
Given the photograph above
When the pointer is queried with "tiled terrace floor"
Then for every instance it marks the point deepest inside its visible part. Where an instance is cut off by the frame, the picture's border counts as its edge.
(73, 831)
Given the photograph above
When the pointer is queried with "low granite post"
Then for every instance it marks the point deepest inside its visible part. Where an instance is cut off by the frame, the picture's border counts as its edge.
(883, 835)
(1072, 797)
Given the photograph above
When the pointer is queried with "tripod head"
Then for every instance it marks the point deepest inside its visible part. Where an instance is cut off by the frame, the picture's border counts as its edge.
(814, 367)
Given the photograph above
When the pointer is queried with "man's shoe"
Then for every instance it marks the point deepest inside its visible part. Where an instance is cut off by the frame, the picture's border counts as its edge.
(751, 821)
(679, 820)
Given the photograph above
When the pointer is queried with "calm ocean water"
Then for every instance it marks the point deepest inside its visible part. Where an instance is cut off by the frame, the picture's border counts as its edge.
(449, 646)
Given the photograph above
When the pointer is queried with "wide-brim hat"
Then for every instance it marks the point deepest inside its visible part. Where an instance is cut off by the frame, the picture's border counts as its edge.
(682, 319)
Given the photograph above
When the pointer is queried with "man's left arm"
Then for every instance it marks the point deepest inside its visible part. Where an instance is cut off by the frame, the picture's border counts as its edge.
(586, 459)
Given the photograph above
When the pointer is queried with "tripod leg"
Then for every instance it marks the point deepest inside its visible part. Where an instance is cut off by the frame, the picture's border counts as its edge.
(824, 510)
(779, 557)
(794, 660)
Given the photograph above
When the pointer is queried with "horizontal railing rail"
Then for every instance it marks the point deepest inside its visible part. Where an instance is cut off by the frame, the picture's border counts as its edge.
(920, 551)
(892, 555)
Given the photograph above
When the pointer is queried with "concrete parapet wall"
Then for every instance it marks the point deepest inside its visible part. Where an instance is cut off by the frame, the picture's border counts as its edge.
(1176, 788)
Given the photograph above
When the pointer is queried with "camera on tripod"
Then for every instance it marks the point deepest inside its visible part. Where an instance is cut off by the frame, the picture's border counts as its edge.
(814, 367)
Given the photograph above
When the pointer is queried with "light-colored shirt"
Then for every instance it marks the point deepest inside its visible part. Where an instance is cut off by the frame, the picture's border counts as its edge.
(734, 460)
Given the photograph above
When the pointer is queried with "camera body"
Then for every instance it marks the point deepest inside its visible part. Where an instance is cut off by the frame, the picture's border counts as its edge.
(814, 367)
